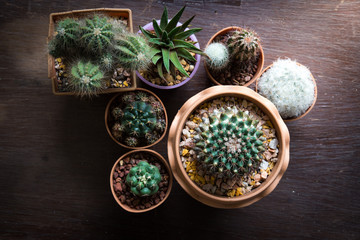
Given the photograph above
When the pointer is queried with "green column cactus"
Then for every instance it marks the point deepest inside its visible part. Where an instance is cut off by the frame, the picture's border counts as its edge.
(132, 52)
(86, 78)
(97, 34)
(243, 44)
(229, 142)
(143, 179)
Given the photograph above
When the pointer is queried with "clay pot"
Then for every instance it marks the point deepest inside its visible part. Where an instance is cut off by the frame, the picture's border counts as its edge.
(112, 12)
(308, 110)
(161, 160)
(260, 61)
(150, 27)
(175, 137)
(107, 113)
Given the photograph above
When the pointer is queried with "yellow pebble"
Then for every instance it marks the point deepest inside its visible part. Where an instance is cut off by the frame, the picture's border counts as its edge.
(212, 180)
(126, 84)
(184, 152)
(231, 193)
(58, 60)
(238, 192)
(252, 183)
(270, 124)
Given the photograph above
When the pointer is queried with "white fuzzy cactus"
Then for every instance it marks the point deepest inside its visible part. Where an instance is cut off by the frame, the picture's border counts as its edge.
(289, 86)
(218, 55)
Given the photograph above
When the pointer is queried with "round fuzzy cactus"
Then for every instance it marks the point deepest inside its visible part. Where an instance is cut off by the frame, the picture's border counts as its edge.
(143, 179)
(97, 34)
(132, 52)
(218, 56)
(243, 44)
(229, 142)
(86, 78)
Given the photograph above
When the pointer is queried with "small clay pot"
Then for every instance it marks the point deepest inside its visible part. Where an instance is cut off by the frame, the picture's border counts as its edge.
(260, 61)
(161, 160)
(108, 129)
(175, 137)
(308, 110)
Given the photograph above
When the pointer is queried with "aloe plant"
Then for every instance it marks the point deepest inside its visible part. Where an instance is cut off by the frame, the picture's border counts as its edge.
(169, 43)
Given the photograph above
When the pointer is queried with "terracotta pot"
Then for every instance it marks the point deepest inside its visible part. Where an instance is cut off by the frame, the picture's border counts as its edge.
(112, 12)
(175, 136)
(308, 110)
(161, 160)
(260, 61)
(107, 113)
(150, 27)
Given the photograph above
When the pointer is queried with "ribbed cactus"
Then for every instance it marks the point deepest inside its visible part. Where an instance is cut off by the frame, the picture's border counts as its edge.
(218, 56)
(243, 44)
(66, 35)
(86, 78)
(229, 142)
(132, 52)
(97, 34)
(107, 61)
(143, 179)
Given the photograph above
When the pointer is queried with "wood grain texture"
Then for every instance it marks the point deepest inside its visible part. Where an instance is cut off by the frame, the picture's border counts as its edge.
(56, 156)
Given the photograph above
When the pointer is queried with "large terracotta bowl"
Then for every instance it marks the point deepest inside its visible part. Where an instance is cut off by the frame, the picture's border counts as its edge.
(260, 62)
(175, 135)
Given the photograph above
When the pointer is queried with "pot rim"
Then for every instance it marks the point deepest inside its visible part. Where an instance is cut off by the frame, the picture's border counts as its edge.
(175, 135)
(162, 160)
(149, 26)
(107, 109)
(315, 94)
(260, 61)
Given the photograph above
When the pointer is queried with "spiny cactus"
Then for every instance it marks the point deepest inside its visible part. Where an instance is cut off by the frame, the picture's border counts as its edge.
(229, 142)
(97, 34)
(86, 78)
(218, 56)
(132, 52)
(168, 44)
(143, 179)
(67, 33)
(243, 44)
(107, 61)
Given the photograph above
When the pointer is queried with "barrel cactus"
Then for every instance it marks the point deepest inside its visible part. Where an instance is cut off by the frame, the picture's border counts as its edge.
(243, 44)
(218, 55)
(143, 179)
(229, 142)
(86, 78)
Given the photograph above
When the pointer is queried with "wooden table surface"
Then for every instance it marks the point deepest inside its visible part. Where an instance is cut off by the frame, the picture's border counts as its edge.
(56, 156)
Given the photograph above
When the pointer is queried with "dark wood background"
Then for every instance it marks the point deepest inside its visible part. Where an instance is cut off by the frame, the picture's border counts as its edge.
(56, 156)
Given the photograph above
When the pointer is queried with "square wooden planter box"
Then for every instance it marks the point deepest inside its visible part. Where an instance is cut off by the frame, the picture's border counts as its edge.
(112, 12)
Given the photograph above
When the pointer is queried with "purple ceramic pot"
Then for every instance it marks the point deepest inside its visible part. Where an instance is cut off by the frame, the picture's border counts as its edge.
(150, 27)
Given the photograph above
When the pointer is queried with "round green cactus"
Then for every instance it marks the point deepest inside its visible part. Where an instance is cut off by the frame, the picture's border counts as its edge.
(243, 44)
(97, 34)
(86, 78)
(218, 56)
(143, 179)
(229, 142)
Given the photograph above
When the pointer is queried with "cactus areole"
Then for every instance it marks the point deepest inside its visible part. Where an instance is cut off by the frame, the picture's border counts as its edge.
(229, 142)
(143, 179)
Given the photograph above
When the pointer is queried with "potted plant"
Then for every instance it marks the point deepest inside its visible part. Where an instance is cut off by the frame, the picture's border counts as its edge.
(94, 51)
(228, 147)
(234, 57)
(290, 86)
(136, 119)
(140, 180)
(174, 49)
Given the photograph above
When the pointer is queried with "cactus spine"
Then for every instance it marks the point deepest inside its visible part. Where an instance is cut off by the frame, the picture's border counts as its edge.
(143, 179)
(86, 78)
(243, 44)
(229, 143)
(218, 56)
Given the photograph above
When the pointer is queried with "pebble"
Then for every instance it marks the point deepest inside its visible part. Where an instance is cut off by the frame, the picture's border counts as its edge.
(273, 143)
(264, 175)
(257, 177)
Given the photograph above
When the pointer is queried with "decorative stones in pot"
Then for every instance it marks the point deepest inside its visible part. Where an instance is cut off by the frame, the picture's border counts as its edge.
(234, 57)
(290, 86)
(140, 180)
(228, 147)
(136, 119)
(175, 52)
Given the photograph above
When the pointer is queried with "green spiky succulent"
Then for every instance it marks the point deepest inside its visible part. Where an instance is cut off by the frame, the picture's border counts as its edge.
(67, 33)
(243, 44)
(132, 52)
(86, 78)
(168, 44)
(229, 142)
(143, 179)
(97, 34)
